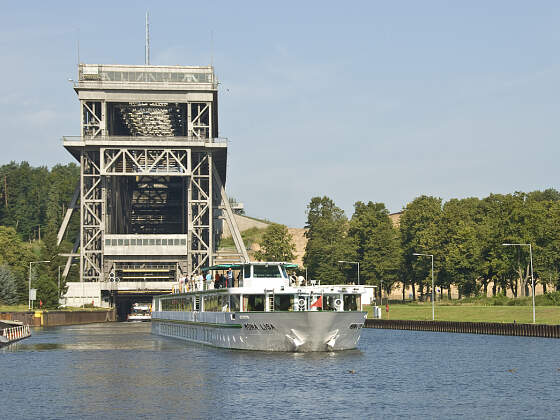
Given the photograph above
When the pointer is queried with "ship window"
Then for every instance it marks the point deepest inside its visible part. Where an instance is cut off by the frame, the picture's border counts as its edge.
(329, 302)
(183, 241)
(266, 271)
(255, 303)
(176, 241)
(211, 303)
(120, 242)
(107, 242)
(234, 302)
(146, 242)
(133, 242)
(283, 302)
(351, 302)
(114, 242)
(164, 241)
(158, 241)
(126, 242)
(246, 271)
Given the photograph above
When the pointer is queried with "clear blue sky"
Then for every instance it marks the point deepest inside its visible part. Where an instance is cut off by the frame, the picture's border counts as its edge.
(380, 101)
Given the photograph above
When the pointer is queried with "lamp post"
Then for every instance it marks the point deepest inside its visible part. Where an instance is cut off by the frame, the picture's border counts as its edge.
(433, 307)
(532, 277)
(353, 262)
(29, 287)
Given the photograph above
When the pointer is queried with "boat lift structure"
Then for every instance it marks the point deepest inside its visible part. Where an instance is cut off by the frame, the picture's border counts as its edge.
(152, 183)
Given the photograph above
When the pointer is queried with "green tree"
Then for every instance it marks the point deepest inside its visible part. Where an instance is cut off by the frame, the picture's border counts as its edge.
(277, 244)
(16, 255)
(8, 287)
(47, 292)
(375, 243)
(25, 200)
(327, 241)
(419, 234)
(460, 253)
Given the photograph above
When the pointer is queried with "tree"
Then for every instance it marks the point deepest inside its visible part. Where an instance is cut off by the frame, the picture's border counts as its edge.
(277, 244)
(16, 255)
(47, 291)
(8, 287)
(419, 234)
(376, 244)
(460, 256)
(327, 241)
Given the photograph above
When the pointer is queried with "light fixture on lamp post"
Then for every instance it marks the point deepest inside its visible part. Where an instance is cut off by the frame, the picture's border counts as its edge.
(532, 277)
(433, 307)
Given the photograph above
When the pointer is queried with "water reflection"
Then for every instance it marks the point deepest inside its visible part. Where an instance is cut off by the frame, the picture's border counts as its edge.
(122, 370)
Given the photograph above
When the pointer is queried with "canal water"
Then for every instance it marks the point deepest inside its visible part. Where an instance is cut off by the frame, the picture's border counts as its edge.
(119, 370)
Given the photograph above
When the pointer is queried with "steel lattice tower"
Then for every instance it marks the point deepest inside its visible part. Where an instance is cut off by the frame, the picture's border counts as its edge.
(153, 168)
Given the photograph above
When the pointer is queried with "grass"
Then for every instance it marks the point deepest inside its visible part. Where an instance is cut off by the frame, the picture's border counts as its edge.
(13, 308)
(472, 313)
(24, 308)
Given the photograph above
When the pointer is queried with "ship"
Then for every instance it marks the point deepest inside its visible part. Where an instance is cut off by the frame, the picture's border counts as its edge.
(262, 308)
(140, 312)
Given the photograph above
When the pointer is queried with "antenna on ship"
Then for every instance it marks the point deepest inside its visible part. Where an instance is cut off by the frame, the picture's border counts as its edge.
(147, 53)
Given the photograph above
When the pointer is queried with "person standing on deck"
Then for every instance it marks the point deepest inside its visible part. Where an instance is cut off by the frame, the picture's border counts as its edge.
(229, 278)
(209, 284)
(200, 281)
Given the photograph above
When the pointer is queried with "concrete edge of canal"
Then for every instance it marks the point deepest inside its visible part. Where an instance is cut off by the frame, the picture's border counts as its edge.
(57, 318)
(494, 328)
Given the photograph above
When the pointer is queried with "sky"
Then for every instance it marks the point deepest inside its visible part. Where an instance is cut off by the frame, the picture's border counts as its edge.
(359, 101)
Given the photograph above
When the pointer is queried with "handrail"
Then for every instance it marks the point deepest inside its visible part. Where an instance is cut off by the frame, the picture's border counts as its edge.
(147, 138)
(16, 333)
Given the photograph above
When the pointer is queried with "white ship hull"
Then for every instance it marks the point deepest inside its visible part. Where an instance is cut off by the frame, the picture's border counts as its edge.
(301, 331)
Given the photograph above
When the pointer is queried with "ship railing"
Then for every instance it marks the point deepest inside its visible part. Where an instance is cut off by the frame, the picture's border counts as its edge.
(16, 333)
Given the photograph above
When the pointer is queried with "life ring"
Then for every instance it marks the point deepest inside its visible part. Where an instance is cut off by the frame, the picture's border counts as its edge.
(301, 302)
(338, 302)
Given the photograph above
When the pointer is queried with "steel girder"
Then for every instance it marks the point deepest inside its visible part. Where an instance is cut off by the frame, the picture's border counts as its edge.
(145, 161)
(93, 118)
(199, 201)
(199, 120)
(92, 217)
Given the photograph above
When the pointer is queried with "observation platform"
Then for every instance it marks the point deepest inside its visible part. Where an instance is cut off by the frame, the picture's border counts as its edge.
(148, 155)
(145, 77)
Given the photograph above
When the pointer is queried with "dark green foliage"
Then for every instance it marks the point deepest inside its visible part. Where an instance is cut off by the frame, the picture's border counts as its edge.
(419, 229)
(8, 286)
(32, 204)
(277, 244)
(464, 235)
(30, 197)
(327, 241)
(47, 291)
(16, 255)
(376, 244)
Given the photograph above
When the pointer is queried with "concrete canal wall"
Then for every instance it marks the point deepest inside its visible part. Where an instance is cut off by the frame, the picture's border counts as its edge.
(55, 318)
(494, 328)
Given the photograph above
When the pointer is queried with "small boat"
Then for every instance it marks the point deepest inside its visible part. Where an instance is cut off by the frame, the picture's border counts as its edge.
(140, 312)
(265, 310)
